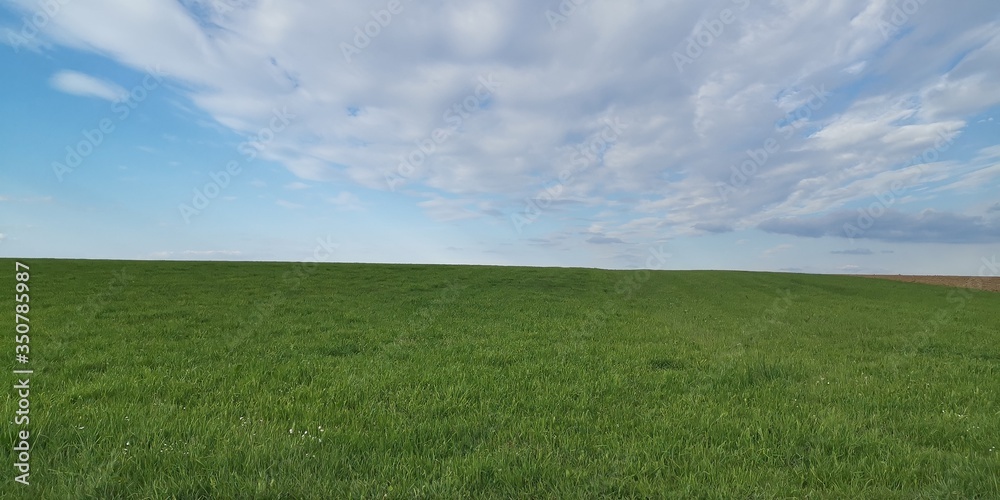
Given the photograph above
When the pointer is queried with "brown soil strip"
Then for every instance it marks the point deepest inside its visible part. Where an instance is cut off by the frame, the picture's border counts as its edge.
(988, 283)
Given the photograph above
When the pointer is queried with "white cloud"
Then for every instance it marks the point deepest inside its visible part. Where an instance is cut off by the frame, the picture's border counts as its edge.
(778, 249)
(30, 199)
(971, 85)
(76, 83)
(289, 205)
(346, 201)
(445, 210)
(2, 236)
(980, 178)
(297, 185)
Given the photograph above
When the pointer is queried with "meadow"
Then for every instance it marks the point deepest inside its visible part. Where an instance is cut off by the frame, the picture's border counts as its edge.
(285, 380)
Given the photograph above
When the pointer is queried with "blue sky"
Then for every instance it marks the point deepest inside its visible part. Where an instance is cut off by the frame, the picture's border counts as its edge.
(839, 136)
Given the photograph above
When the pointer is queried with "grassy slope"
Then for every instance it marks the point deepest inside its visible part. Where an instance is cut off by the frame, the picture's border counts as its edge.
(274, 380)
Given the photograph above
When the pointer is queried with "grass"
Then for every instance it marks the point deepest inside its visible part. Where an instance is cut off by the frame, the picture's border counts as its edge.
(271, 380)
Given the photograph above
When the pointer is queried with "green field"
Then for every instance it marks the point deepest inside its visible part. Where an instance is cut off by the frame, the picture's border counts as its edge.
(283, 380)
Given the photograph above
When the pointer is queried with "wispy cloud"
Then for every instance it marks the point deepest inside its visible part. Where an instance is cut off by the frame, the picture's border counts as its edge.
(855, 251)
(76, 83)
(929, 226)
(603, 240)
(454, 209)
(346, 201)
(30, 199)
(289, 205)
(778, 249)
(713, 227)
